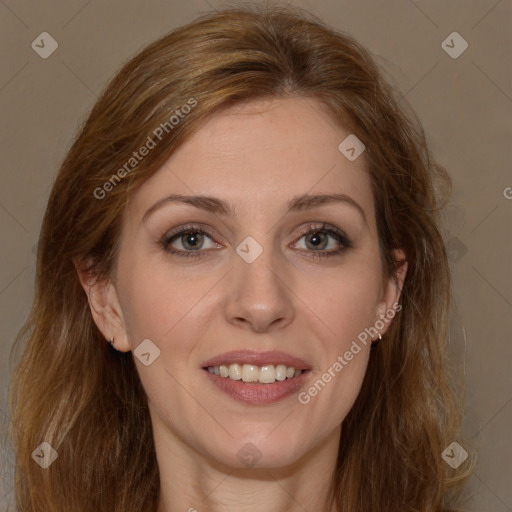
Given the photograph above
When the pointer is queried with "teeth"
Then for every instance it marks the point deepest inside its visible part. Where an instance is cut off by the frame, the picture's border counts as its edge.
(234, 372)
(280, 372)
(251, 373)
(267, 374)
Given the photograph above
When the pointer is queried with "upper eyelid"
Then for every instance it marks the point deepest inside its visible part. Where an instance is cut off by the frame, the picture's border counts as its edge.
(311, 226)
(186, 228)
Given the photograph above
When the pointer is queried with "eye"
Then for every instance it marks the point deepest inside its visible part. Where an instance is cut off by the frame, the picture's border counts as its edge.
(317, 240)
(188, 241)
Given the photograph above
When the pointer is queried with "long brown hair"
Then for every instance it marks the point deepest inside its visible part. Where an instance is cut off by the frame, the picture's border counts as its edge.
(71, 390)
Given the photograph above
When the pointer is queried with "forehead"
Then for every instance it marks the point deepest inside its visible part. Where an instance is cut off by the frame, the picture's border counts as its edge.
(258, 155)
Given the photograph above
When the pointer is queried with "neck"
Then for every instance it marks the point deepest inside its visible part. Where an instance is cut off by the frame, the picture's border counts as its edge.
(191, 481)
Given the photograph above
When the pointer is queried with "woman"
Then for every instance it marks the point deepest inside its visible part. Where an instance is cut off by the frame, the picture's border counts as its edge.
(242, 290)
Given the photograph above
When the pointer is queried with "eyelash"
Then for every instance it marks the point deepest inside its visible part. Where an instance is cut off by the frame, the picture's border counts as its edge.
(335, 233)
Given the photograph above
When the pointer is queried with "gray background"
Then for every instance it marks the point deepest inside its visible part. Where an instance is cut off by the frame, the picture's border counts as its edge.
(464, 103)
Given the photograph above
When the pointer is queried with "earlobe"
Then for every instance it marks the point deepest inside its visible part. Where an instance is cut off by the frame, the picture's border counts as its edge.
(105, 309)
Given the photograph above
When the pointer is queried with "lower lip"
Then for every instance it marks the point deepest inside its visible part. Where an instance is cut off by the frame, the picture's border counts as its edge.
(256, 393)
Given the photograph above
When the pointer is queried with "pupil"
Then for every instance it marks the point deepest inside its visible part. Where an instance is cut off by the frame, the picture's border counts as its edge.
(192, 239)
(316, 239)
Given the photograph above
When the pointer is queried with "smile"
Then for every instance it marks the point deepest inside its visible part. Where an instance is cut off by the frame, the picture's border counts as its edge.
(250, 373)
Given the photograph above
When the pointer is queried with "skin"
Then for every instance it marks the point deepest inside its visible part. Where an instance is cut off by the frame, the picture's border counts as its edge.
(256, 156)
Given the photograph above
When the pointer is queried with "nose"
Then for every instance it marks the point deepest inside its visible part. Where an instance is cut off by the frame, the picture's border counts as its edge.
(260, 298)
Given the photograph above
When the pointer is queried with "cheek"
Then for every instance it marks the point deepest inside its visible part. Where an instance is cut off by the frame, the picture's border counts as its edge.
(158, 304)
(346, 314)
(346, 305)
(168, 309)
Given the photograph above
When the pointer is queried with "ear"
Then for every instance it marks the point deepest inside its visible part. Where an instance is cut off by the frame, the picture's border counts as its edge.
(392, 290)
(105, 308)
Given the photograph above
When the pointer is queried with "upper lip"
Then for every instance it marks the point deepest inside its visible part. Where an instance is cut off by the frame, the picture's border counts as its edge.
(274, 357)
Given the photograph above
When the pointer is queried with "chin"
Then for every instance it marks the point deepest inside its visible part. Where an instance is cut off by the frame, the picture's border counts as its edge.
(256, 450)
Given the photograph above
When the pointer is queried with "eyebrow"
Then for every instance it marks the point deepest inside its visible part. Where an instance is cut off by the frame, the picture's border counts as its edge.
(218, 206)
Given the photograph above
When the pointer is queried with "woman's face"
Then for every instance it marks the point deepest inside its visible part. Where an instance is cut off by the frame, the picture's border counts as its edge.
(254, 289)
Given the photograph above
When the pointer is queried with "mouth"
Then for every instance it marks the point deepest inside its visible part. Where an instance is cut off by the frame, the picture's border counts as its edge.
(250, 373)
(257, 377)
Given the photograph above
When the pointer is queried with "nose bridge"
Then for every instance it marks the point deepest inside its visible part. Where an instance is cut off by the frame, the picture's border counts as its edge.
(259, 295)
